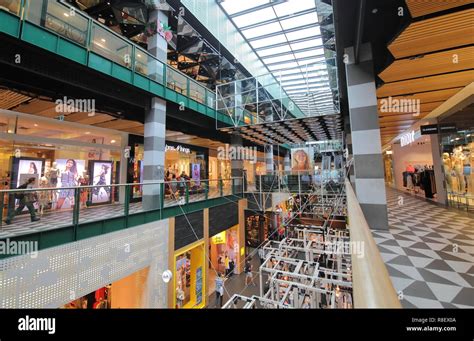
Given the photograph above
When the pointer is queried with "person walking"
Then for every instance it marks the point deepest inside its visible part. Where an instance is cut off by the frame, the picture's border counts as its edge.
(261, 255)
(26, 199)
(248, 273)
(219, 290)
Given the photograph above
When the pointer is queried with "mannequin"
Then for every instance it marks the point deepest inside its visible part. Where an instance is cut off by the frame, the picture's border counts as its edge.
(447, 171)
(458, 163)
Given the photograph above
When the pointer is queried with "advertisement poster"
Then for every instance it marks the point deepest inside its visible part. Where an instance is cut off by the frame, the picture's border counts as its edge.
(300, 159)
(69, 172)
(102, 178)
(183, 279)
(29, 167)
(196, 173)
(199, 285)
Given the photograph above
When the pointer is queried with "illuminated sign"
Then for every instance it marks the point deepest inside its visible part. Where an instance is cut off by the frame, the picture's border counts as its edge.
(178, 148)
(407, 138)
(219, 238)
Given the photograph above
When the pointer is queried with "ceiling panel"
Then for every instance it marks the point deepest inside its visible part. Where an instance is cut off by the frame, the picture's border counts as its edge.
(431, 64)
(423, 7)
(435, 34)
(439, 82)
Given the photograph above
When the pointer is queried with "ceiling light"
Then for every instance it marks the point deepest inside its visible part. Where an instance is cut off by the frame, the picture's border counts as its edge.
(375, 10)
(103, 40)
(66, 15)
(87, 132)
(35, 124)
(112, 141)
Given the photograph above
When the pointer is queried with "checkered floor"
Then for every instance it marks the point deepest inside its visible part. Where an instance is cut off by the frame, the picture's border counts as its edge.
(429, 253)
(56, 219)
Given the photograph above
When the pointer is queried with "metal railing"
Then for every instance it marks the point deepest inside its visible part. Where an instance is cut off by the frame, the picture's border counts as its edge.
(296, 181)
(55, 207)
(80, 29)
(372, 287)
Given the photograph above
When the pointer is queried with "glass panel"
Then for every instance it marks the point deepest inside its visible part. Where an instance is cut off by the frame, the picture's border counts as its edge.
(300, 34)
(293, 6)
(268, 41)
(254, 17)
(274, 50)
(148, 66)
(284, 58)
(12, 6)
(59, 18)
(197, 92)
(176, 81)
(211, 97)
(306, 44)
(234, 6)
(298, 21)
(111, 46)
(309, 53)
(262, 30)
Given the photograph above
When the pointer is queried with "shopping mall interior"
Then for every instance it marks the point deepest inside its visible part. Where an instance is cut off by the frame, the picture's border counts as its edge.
(237, 154)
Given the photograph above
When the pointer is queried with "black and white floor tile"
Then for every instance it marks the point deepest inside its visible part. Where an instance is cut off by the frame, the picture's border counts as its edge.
(429, 253)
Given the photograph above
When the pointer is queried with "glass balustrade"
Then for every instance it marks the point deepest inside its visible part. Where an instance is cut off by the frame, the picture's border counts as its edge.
(70, 23)
(65, 21)
(40, 209)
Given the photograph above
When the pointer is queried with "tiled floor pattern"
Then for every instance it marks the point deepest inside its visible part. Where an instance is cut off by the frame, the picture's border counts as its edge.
(429, 253)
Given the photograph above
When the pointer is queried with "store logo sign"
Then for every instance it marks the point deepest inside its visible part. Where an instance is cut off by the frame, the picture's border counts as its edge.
(407, 138)
(237, 153)
(178, 148)
(69, 105)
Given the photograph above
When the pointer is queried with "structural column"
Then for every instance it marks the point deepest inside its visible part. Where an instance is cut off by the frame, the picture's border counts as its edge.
(155, 124)
(287, 162)
(236, 162)
(365, 138)
(441, 195)
(269, 149)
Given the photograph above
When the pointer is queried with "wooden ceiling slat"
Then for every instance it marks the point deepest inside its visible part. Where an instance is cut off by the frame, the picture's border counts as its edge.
(401, 117)
(97, 118)
(419, 7)
(427, 97)
(119, 124)
(10, 99)
(432, 64)
(439, 82)
(439, 33)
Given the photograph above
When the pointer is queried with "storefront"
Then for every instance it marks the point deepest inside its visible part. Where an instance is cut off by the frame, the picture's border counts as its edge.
(261, 226)
(125, 293)
(224, 251)
(59, 154)
(458, 165)
(179, 158)
(413, 169)
(189, 277)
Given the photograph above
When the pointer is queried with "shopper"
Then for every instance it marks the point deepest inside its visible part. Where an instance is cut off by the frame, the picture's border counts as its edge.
(261, 255)
(26, 199)
(248, 273)
(219, 290)
(226, 264)
(306, 302)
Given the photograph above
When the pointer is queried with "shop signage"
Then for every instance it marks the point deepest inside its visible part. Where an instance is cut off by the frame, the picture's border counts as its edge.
(407, 138)
(219, 238)
(178, 148)
(447, 128)
(429, 129)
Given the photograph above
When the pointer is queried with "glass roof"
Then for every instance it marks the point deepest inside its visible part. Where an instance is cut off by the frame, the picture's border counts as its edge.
(288, 37)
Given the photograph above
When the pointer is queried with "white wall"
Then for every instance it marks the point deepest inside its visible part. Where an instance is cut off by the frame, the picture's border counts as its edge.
(413, 154)
(63, 273)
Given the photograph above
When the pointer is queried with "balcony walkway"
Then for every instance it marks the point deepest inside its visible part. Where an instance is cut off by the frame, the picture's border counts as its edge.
(429, 253)
(52, 219)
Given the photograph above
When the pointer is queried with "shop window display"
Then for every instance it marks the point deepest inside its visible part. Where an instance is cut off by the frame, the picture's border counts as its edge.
(183, 279)
(99, 299)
